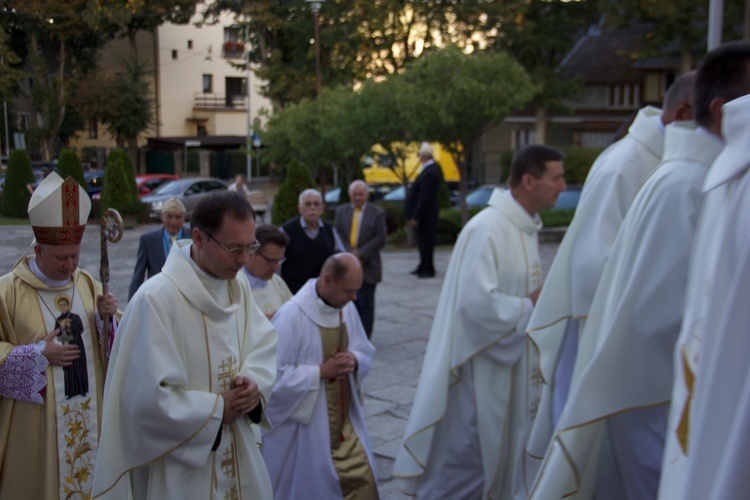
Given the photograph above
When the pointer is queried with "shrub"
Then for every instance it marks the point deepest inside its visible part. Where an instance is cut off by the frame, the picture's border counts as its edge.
(578, 162)
(556, 218)
(17, 176)
(122, 156)
(116, 192)
(69, 165)
(296, 180)
(449, 224)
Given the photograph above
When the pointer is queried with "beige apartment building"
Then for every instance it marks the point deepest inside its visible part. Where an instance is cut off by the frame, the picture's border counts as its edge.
(197, 91)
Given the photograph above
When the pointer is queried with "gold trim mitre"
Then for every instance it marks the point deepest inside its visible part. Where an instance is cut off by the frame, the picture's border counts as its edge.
(58, 211)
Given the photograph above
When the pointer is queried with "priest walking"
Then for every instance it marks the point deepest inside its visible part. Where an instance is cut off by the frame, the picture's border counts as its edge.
(51, 357)
(192, 368)
(318, 447)
(477, 394)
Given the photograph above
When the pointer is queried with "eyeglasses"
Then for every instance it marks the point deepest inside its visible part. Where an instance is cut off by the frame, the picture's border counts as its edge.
(272, 261)
(236, 251)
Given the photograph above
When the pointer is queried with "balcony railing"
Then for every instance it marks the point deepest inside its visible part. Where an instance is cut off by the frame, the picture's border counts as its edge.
(220, 102)
(233, 50)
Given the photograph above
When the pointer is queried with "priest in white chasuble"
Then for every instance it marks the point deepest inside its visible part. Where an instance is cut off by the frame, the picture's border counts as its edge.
(51, 356)
(191, 369)
(478, 391)
(269, 289)
(623, 378)
(709, 397)
(612, 183)
(318, 447)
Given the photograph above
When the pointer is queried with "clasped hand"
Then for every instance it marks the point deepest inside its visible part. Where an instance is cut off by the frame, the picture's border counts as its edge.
(241, 399)
(340, 364)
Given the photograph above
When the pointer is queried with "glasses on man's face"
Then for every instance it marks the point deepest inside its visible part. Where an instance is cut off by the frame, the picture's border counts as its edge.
(235, 252)
(271, 261)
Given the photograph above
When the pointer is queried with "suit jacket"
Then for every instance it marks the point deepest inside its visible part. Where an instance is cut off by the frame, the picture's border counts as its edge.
(422, 199)
(151, 257)
(372, 235)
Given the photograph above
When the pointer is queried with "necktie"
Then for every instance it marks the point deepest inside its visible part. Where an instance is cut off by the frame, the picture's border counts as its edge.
(172, 239)
(355, 228)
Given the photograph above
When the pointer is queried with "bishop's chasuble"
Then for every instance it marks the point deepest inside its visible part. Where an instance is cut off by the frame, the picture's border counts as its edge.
(478, 390)
(48, 447)
(562, 308)
(622, 379)
(184, 336)
(707, 445)
(318, 447)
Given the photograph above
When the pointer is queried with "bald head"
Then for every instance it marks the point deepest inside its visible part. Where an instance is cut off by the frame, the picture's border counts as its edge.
(677, 101)
(340, 278)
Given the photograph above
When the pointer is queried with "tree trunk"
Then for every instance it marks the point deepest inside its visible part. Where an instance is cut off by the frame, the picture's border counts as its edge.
(540, 125)
(133, 154)
(133, 46)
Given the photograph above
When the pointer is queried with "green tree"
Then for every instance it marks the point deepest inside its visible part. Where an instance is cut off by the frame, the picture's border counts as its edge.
(673, 28)
(123, 102)
(120, 155)
(18, 175)
(116, 192)
(68, 164)
(460, 95)
(296, 180)
(359, 39)
(63, 32)
(539, 36)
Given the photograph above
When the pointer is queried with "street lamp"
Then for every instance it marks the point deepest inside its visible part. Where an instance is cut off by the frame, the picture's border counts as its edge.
(315, 6)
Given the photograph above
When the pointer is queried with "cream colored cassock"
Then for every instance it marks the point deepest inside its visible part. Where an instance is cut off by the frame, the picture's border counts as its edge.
(297, 450)
(476, 399)
(623, 374)
(182, 339)
(272, 296)
(564, 303)
(713, 343)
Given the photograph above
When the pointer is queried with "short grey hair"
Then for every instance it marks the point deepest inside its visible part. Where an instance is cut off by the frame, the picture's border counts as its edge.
(425, 149)
(358, 182)
(308, 192)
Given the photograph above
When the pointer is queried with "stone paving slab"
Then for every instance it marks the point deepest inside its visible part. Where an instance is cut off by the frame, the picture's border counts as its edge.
(405, 307)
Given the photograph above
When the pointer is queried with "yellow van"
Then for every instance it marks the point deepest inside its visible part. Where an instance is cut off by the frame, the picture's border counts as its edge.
(377, 174)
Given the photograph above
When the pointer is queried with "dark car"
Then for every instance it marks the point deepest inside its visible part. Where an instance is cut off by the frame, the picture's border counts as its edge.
(94, 182)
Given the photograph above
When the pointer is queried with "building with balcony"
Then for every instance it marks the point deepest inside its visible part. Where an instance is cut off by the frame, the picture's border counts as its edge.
(199, 88)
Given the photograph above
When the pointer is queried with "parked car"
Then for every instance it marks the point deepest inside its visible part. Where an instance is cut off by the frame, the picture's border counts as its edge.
(188, 191)
(377, 192)
(568, 200)
(95, 181)
(148, 183)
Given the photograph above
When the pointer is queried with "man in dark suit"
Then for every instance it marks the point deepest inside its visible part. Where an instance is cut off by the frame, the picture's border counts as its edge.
(363, 232)
(155, 245)
(421, 209)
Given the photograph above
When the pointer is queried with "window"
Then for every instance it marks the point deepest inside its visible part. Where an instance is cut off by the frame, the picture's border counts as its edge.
(234, 45)
(93, 129)
(523, 137)
(23, 121)
(208, 85)
(190, 45)
(625, 96)
(174, 54)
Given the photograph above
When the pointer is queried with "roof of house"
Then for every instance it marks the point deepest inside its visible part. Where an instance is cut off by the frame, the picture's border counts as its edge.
(604, 56)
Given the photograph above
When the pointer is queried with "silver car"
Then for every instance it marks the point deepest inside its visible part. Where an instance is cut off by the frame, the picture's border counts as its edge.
(188, 191)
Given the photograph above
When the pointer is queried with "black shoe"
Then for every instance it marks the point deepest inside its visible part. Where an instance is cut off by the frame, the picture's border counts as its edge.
(426, 274)
(416, 270)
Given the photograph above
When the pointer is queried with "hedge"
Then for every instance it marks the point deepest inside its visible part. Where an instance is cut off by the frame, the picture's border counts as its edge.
(15, 195)
(296, 180)
(68, 164)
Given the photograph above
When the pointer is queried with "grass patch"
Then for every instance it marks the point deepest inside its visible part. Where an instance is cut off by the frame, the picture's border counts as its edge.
(9, 221)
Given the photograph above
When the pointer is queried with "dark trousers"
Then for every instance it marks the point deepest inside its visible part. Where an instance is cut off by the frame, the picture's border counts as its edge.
(425, 235)
(366, 306)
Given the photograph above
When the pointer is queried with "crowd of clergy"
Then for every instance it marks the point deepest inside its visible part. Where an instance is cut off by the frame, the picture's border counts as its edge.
(624, 375)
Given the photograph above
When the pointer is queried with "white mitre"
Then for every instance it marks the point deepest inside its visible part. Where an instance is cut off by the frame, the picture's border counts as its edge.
(58, 211)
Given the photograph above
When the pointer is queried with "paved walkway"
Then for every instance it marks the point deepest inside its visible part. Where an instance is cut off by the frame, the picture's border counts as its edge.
(404, 309)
